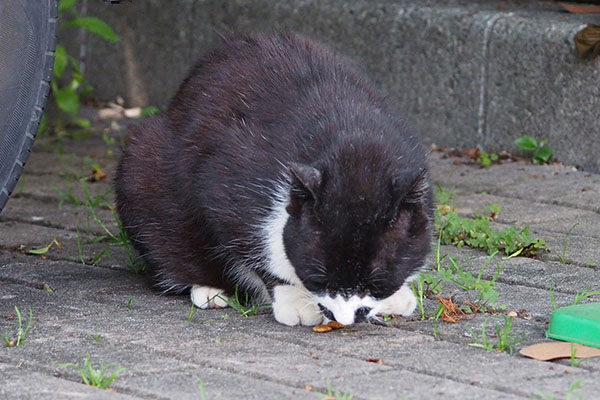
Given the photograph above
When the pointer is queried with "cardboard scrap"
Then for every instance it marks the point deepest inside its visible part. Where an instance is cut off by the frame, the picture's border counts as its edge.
(553, 350)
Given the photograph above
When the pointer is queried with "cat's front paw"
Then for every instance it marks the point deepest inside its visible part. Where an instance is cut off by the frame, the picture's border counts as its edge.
(403, 302)
(294, 306)
(208, 297)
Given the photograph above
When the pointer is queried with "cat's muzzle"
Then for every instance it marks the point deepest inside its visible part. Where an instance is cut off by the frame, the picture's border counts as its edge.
(360, 315)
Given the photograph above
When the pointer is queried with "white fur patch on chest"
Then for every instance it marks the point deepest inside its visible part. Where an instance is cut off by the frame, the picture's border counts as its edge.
(278, 262)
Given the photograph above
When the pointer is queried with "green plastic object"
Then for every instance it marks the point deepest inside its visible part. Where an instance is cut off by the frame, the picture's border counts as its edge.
(578, 324)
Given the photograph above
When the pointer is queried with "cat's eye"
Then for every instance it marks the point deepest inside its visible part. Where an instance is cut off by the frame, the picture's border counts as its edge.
(316, 282)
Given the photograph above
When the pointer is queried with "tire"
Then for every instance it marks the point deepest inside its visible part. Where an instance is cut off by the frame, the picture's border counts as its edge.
(27, 44)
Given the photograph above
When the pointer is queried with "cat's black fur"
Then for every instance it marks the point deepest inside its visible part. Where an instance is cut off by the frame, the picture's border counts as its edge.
(268, 122)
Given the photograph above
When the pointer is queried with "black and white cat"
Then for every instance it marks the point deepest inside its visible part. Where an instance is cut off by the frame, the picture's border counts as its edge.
(278, 169)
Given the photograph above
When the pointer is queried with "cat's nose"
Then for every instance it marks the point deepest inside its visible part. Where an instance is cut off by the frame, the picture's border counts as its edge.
(360, 315)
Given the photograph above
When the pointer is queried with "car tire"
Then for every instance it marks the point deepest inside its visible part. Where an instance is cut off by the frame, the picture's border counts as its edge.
(27, 44)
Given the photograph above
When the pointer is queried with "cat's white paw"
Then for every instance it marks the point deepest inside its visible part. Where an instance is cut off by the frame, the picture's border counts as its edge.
(403, 302)
(293, 305)
(208, 297)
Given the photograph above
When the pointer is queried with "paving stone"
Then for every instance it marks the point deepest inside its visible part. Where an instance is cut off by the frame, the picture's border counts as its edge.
(216, 384)
(19, 383)
(69, 216)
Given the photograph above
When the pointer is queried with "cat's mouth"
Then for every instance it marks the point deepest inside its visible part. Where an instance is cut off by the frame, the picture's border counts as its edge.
(360, 315)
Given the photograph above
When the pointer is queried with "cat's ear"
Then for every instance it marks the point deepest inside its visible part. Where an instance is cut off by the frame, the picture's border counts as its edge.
(411, 187)
(306, 181)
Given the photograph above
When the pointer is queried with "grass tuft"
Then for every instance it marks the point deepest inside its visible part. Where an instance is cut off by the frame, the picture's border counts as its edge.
(21, 331)
(505, 342)
(96, 377)
(246, 307)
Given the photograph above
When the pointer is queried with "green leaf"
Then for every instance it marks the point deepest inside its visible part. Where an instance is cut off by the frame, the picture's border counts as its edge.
(527, 143)
(82, 122)
(43, 125)
(95, 26)
(60, 61)
(149, 110)
(543, 155)
(64, 5)
(67, 100)
(41, 250)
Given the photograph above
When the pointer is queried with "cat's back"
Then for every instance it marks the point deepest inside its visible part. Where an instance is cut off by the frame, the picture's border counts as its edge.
(255, 74)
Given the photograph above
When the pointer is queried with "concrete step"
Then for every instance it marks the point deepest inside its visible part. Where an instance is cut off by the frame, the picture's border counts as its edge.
(466, 73)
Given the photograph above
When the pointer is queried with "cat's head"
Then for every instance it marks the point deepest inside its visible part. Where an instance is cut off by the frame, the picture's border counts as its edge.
(355, 235)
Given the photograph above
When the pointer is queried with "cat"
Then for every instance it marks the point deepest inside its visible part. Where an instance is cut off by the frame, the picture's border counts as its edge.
(279, 171)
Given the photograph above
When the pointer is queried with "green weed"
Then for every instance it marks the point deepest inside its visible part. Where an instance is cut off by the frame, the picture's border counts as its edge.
(449, 270)
(563, 258)
(419, 293)
(21, 190)
(551, 289)
(111, 240)
(574, 362)
(96, 377)
(191, 315)
(505, 342)
(331, 394)
(477, 233)
(542, 154)
(95, 337)
(486, 159)
(247, 306)
(149, 111)
(70, 197)
(436, 318)
(584, 294)
(67, 96)
(21, 331)
(130, 302)
(109, 142)
(80, 248)
(569, 392)
(201, 388)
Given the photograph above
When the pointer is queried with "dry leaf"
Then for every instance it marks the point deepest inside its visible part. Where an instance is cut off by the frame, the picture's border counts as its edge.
(587, 41)
(580, 8)
(99, 175)
(451, 312)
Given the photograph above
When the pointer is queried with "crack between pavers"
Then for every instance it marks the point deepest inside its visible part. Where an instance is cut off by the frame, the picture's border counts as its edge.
(552, 203)
(49, 257)
(46, 224)
(483, 78)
